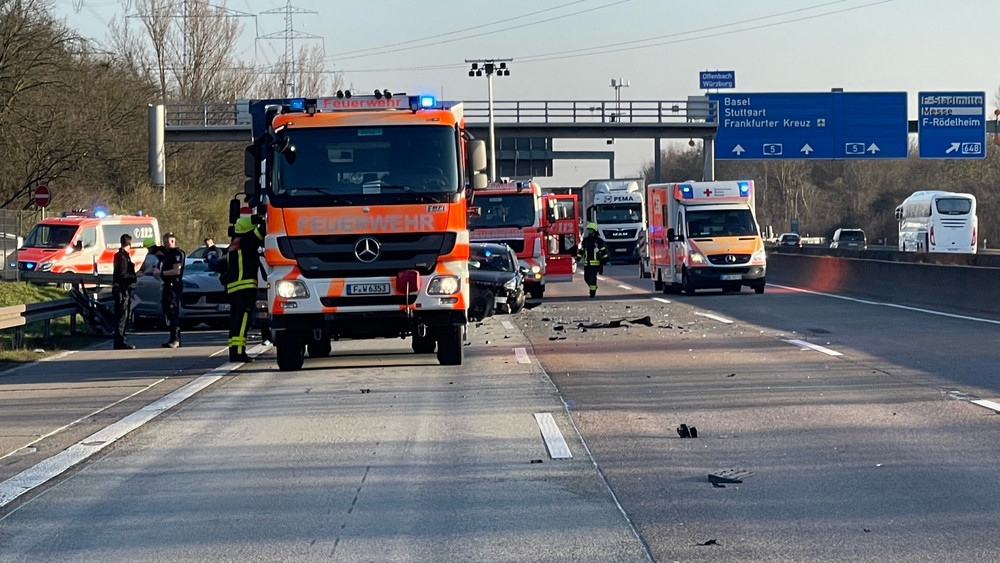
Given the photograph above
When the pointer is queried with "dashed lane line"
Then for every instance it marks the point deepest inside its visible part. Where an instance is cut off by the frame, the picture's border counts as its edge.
(812, 346)
(554, 441)
(715, 318)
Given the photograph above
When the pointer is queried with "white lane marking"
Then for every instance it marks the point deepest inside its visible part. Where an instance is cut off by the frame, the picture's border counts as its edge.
(59, 463)
(52, 358)
(893, 305)
(661, 300)
(715, 317)
(809, 345)
(554, 441)
(507, 325)
(992, 405)
(522, 356)
(624, 287)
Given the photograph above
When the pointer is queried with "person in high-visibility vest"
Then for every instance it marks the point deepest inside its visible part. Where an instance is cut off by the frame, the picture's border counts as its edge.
(594, 254)
(243, 263)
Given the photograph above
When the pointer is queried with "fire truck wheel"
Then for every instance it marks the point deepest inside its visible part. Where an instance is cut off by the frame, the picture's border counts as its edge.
(423, 344)
(320, 348)
(450, 347)
(291, 351)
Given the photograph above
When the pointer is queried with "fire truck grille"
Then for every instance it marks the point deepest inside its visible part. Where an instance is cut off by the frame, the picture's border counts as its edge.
(369, 300)
(366, 255)
(613, 234)
(729, 259)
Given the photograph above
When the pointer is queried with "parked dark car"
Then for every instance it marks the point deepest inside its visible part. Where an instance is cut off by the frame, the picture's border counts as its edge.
(204, 299)
(496, 280)
(789, 239)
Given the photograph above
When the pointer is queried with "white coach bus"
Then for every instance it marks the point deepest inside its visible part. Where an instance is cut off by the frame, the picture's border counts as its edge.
(938, 221)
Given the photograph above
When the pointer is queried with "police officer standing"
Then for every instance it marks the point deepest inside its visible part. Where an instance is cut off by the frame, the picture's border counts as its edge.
(170, 271)
(594, 253)
(243, 263)
(123, 283)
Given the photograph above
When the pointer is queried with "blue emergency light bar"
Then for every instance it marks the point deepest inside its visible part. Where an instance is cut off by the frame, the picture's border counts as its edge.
(744, 188)
(297, 104)
(686, 191)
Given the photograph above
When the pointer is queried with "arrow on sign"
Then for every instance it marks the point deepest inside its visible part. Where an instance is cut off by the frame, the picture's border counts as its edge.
(806, 149)
(739, 150)
(954, 147)
(873, 148)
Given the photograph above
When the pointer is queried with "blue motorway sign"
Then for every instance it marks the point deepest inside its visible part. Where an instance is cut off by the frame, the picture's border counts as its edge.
(952, 124)
(712, 79)
(819, 125)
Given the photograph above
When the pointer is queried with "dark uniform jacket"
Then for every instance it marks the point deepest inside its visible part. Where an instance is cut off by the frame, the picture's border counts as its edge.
(243, 261)
(124, 273)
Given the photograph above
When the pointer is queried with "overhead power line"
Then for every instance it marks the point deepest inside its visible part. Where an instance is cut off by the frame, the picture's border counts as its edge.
(622, 46)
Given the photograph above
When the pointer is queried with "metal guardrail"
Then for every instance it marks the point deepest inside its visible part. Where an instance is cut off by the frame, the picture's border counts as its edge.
(523, 111)
(17, 317)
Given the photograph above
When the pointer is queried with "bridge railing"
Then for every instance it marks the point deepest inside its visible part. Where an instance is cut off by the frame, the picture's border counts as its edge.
(521, 111)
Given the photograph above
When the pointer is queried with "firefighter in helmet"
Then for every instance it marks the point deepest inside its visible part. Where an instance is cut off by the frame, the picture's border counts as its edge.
(243, 263)
(594, 254)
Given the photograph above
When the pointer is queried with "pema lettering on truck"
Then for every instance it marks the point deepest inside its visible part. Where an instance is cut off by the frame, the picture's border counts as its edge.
(363, 224)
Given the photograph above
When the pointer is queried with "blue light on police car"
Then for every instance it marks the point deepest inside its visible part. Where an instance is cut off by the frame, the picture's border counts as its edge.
(427, 101)
(297, 104)
(744, 188)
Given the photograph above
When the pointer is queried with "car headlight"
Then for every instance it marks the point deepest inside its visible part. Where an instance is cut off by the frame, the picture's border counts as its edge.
(536, 269)
(510, 284)
(443, 285)
(759, 255)
(291, 289)
(698, 258)
(44, 266)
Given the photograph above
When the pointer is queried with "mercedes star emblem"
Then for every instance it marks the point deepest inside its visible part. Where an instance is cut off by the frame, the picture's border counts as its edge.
(367, 249)
(730, 259)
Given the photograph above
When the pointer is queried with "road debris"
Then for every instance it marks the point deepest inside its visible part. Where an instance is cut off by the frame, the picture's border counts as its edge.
(733, 475)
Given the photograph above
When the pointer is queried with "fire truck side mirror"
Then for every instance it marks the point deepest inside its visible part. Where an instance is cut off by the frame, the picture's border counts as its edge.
(479, 181)
(477, 156)
(234, 210)
(251, 161)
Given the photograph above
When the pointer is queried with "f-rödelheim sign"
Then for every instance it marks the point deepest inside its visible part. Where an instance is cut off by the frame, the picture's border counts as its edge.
(952, 124)
(817, 125)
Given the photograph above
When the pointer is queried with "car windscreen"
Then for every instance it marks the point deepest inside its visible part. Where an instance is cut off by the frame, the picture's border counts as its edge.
(50, 236)
(720, 223)
(491, 261)
(619, 213)
(852, 236)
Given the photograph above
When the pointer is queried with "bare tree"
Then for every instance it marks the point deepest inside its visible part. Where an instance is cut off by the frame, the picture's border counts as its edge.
(310, 78)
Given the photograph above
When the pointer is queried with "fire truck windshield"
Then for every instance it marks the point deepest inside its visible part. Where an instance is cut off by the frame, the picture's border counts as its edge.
(504, 210)
(366, 161)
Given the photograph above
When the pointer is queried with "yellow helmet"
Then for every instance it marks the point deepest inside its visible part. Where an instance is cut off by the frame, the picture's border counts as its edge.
(243, 225)
(592, 226)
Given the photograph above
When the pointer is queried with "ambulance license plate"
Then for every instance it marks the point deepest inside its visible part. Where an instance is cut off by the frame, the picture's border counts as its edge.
(727, 277)
(223, 307)
(368, 289)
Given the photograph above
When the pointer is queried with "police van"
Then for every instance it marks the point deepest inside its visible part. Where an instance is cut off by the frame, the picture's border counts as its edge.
(80, 242)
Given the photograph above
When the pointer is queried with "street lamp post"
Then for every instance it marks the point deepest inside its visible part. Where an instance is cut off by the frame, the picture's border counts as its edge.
(490, 67)
(618, 85)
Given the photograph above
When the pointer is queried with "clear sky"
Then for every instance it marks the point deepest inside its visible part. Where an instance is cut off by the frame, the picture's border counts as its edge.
(570, 50)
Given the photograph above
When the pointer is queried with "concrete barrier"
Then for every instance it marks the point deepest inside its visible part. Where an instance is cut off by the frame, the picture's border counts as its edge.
(964, 288)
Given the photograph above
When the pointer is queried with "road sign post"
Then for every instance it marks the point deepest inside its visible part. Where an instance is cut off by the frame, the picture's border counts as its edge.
(952, 124)
(811, 125)
(42, 196)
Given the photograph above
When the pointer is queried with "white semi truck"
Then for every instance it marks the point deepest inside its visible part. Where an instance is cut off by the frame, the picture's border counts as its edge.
(617, 206)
